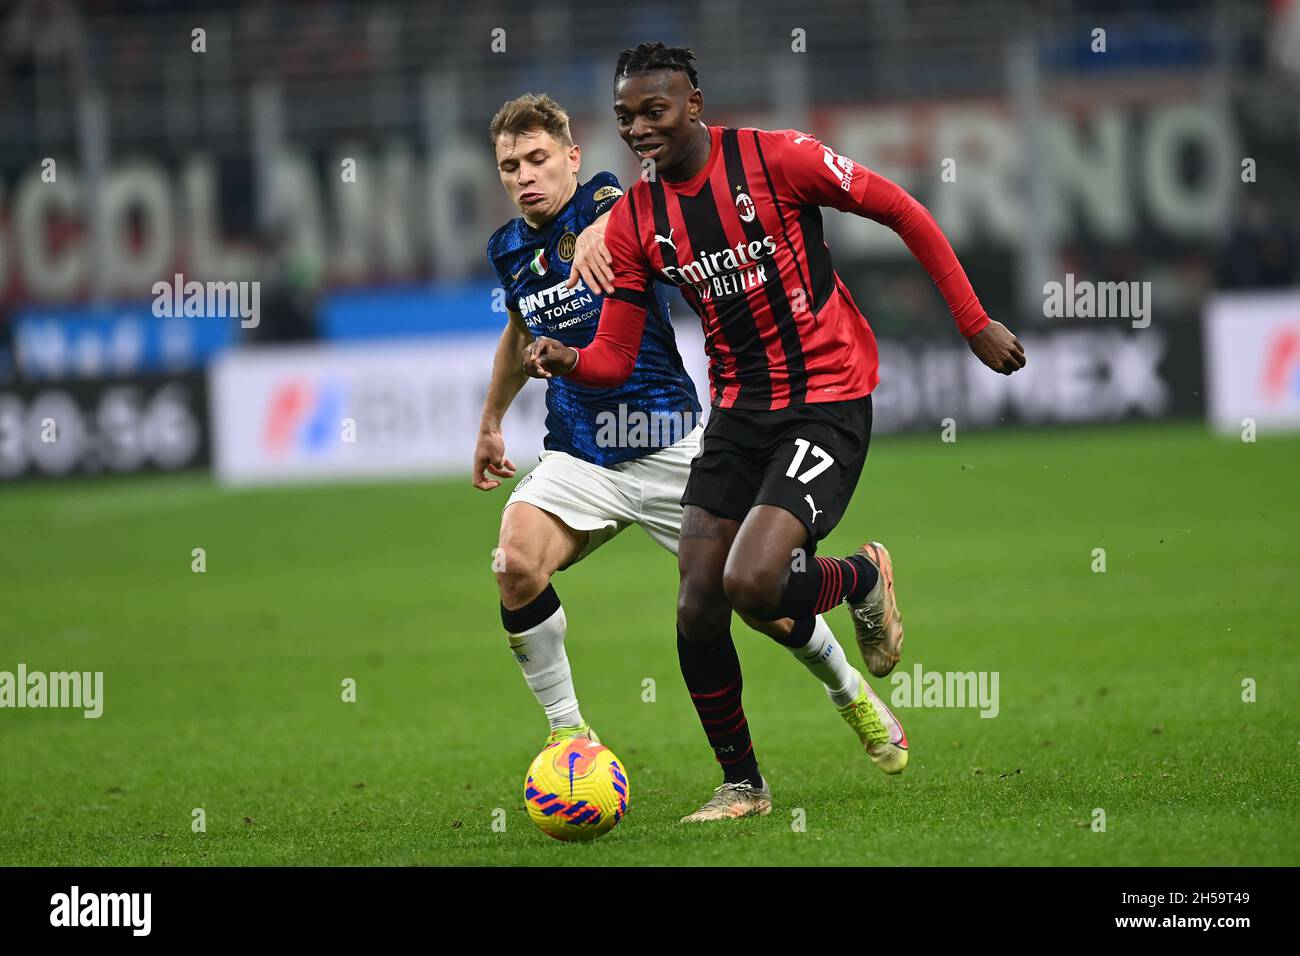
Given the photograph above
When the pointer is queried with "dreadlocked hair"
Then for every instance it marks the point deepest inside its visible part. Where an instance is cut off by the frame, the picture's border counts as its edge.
(648, 57)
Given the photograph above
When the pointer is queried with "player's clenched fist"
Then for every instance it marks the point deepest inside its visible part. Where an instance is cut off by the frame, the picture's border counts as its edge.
(545, 357)
(998, 348)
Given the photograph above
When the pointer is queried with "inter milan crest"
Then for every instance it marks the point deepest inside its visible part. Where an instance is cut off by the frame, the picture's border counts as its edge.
(566, 246)
(745, 207)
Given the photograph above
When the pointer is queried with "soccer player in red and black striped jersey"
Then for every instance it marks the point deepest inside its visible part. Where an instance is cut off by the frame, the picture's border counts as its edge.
(733, 218)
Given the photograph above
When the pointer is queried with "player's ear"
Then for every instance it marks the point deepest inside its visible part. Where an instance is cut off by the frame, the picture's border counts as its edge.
(575, 157)
(695, 104)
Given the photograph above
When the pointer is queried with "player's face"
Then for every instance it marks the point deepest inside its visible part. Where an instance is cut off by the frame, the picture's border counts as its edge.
(653, 112)
(539, 173)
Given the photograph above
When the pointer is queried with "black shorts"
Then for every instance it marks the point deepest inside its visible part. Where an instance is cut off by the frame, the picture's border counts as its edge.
(805, 459)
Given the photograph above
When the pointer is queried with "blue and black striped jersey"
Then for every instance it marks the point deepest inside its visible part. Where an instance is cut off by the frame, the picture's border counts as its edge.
(599, 425)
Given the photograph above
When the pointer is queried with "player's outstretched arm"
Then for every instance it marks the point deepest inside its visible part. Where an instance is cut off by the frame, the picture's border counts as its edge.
(507, 379)
(610, 358)
(816, 174)
(592, 262)
(992, 342)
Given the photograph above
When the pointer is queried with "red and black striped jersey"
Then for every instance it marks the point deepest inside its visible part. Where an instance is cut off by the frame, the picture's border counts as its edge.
(743, 241)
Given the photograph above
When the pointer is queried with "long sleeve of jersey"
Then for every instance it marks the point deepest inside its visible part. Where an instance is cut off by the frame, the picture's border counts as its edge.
(816, 175)
(610, 358)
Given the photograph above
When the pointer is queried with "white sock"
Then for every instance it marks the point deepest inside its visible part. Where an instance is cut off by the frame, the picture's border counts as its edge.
(824, 657)
(540, 653)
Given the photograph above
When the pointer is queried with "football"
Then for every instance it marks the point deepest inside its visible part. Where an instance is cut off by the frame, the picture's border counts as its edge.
(576, 790)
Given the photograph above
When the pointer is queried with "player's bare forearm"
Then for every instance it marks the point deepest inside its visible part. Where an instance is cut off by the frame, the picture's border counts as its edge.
(508, 377)
(490, 461)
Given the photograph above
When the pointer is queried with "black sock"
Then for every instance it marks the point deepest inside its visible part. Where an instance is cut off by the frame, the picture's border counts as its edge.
(531, 614)
(866, 579)
(712, 673)
(824, 583)
(800, 634)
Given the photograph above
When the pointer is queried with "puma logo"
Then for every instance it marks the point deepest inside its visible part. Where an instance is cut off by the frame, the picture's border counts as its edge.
(815, 511)
(668, 240)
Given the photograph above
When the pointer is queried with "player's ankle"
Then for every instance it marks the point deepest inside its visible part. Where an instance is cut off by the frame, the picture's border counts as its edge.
(746, 772)
(867, 577)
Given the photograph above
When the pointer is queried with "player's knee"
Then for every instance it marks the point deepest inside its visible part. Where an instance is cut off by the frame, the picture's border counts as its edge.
(699, 619)
(519, 574)
(753, 592)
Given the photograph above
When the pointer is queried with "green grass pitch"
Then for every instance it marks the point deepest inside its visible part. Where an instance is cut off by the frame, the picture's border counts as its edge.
(1119, 690)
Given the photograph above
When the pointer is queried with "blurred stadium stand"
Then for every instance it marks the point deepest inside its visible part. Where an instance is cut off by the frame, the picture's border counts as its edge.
(224, 164)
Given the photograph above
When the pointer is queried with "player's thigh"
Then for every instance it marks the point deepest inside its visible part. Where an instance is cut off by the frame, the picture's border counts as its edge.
(583, 497)
(662, 479)
(536, 542)
(767, 543)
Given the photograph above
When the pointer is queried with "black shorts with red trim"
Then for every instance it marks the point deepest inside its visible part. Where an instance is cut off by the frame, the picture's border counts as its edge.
(805, 459)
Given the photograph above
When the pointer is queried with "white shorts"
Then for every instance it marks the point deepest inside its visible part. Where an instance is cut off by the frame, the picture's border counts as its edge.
(602, 501)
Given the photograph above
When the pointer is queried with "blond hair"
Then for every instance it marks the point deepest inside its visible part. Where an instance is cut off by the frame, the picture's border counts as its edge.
(532, 111)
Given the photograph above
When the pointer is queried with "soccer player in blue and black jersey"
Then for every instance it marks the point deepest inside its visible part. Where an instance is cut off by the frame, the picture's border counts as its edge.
(614, 456)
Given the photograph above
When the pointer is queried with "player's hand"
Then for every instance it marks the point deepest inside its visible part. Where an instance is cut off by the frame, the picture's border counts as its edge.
(490, 455)
(998, 348)
(592, 261)
(545, 357)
